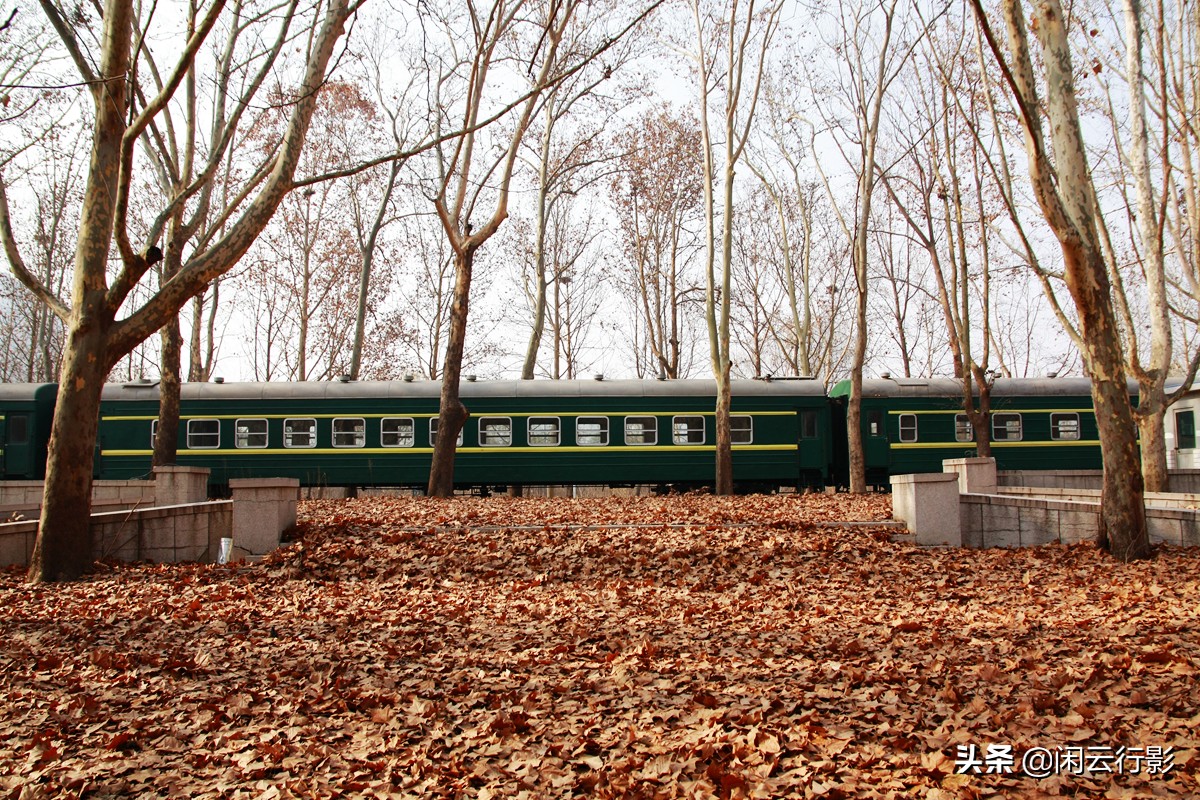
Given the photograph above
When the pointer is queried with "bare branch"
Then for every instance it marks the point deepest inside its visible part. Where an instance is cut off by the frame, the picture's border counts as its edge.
(17, 264)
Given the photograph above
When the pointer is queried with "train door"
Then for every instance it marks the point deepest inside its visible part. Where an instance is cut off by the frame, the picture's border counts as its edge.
(875, 440)
(1188, 457)
(16, 445)
(3, 447)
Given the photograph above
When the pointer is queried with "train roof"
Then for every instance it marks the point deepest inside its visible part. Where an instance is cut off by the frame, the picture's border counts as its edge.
(952, 387)
(27, 391)
(332, 390)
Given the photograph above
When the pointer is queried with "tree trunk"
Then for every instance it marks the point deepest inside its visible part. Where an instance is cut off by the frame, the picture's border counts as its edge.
(539, 322)
(166, 442)
(452, 413)
(1122, 511)
(194, 340)
(854, 436)
(360, 314)
(1150, 419)
(724, 451)
(64, 549)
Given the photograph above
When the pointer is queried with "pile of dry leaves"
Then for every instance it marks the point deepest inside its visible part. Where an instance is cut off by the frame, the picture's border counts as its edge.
(676, 647)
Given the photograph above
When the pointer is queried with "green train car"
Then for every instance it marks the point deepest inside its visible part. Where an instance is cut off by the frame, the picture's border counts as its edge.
(615, 432)
(911, 425)
(26, 414)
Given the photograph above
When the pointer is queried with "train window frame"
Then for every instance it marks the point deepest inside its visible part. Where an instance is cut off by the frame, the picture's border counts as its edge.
(601, 433)
(153, 433)
(907, 428)
(433, 425)
(734, 432)
(241, 438)
(289, 435)
(534, 437)
(383, 432)
(810, 427)
(653, 430)
(17, 434)
(193, 436)
(1008, 418)
(692, 423)
(358, 432)
(499, 422)
(1057, 433)
(875, 423)
(1185, 440)
(964, 431)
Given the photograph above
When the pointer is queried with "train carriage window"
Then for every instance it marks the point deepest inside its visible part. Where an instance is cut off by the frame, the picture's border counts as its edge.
(203, 434)
(1006, 427)
(544, 431)
(741, 429)
(18, 429)
(808, 425)
(1185, 430)
(300, 432)
(153, 433)
(433, 428)
(495, 431)
(1064, 427)
(687, 430)
(963, 431)
(875, 422)
(641, 430)
(591, 431)
(908, 427)
(250, 433)
(397, 432)
(349, 432)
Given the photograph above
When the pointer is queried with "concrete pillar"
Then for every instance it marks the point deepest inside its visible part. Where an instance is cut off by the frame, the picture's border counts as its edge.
(928, 506)
(263, 508)
(975, 475)
(176, 486)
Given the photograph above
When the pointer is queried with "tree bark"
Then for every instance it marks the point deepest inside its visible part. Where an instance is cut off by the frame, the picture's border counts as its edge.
(854, 434)
(724, 449)
(166, 442)
(452, 414)
(64, 548)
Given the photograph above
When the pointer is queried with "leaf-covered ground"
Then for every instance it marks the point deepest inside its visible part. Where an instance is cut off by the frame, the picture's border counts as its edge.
(676, 647)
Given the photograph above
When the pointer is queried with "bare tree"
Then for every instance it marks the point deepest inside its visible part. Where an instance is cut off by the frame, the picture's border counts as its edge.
(946, 218)
(741, 61)
(1063, 186)
(571, 156)
(871, 62)
(471, 175)
(658, 198)
(96, 338)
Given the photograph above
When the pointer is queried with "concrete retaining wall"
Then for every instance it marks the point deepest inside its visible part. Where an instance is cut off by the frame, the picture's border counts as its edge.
(1009, 521)
(1154, 499)
(1185, 481)
(963, 506)
(164, 535)
(112, 494)
(260, 511)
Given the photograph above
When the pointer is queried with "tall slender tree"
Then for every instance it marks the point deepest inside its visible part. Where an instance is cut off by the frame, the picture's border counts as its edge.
(96, 338)
(746, 32)
(1062, 182)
